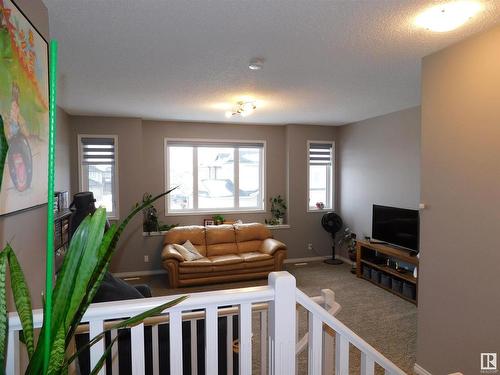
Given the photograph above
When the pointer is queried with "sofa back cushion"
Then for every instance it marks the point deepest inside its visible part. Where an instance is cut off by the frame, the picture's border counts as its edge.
(220, 240)
(249, 237)
(194, 233)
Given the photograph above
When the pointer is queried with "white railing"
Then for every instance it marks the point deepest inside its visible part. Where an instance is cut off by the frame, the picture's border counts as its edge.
(274, 310)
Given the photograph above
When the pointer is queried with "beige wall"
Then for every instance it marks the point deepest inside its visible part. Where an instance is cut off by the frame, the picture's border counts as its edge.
(26, 230)
(379, 162)
(459, 295)
(63, 144)
(141, 168)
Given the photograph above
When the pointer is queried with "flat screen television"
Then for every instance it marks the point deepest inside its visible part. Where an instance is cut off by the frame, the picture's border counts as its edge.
(396, 226)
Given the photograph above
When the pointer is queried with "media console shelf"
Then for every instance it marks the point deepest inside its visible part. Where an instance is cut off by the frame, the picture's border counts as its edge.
(388, 267)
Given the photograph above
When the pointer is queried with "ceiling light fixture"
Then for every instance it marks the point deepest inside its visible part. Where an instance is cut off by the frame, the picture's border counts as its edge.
(256, 64)
(242, 109)
(448, 16)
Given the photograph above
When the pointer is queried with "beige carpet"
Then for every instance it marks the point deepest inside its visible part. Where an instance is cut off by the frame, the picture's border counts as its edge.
(384, 320)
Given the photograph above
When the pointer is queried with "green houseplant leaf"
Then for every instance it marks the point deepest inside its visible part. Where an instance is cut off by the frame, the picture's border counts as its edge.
(22, 300)
(79, 278)
(4, 322)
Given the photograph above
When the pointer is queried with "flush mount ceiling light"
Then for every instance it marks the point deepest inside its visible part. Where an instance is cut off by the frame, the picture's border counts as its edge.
(242, 109)
(256, 64)
(447, 16)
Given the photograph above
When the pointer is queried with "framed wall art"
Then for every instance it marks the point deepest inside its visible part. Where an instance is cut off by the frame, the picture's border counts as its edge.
(24, 108)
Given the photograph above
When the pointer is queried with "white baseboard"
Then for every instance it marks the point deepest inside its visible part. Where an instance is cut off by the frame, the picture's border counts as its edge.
(419, 370)
(139, 273)
(316, 259)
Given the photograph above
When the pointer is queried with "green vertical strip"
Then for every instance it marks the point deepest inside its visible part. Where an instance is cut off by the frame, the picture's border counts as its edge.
(49, 266)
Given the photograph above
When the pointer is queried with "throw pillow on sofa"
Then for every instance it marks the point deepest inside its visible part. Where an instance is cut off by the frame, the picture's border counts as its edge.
(188, 251)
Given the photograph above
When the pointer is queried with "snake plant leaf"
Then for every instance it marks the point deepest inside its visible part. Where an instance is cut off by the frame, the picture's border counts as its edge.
(105, 355)
(63, 290)
(22, 300)
(105, 252)
(94, 283)
(128, 323)
(58, 352)
(4, 147)
(4, 321)
(88, 264)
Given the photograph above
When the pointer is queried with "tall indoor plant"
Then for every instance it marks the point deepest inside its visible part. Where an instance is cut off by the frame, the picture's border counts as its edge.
(78, 280)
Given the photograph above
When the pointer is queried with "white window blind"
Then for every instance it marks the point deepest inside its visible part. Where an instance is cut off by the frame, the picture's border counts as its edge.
(320, 175)
(98, 170)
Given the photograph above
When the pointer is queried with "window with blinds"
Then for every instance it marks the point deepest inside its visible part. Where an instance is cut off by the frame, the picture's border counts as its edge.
(320, 175)
(98, 170)
(214, 176)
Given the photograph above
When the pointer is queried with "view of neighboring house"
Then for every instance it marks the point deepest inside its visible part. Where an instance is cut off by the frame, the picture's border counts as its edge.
(352, 145)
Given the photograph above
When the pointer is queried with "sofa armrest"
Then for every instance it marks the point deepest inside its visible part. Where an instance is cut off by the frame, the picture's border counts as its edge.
(270, 245)
(169, 252)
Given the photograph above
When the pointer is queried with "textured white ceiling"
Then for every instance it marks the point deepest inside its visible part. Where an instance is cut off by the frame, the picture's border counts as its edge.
(327, 62)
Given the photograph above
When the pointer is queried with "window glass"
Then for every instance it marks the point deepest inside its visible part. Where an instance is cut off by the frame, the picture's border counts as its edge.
(98, 170)
(222, 176)
(320, 181)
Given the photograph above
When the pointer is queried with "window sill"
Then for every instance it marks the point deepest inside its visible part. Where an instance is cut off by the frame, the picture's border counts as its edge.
(212, 213)
(278, 226)
(320, 210)
(270, 227)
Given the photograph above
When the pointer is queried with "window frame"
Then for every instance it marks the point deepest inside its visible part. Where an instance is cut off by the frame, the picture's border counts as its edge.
(332, 177)
(194, 212)
(116, 191)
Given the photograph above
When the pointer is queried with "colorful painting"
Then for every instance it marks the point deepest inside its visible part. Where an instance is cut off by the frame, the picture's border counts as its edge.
(24, 108)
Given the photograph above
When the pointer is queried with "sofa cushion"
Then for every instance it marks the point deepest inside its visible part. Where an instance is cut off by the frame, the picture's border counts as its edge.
(249, 246)
(225, 259)
(193, 233)
(255, 256)
(251, 232)
(196, 263)
(220, 240)
(249, 237)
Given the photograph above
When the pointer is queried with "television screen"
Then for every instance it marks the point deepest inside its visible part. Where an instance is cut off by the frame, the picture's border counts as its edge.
(396, 226)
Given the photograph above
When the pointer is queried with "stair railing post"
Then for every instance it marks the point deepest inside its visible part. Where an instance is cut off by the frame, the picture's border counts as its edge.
(282, 324)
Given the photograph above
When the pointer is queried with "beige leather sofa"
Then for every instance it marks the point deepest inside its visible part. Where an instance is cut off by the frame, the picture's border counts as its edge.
(230, 253)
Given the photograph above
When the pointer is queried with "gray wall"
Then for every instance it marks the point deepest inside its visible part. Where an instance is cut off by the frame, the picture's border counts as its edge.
(141, 168)
(459, 297)
(379, 162)
(26, 230)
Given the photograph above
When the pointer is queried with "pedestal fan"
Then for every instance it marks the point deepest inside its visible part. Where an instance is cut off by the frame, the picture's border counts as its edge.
(332, 223)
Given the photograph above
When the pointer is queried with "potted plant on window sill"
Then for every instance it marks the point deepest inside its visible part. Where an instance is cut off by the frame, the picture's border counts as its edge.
(278, 210)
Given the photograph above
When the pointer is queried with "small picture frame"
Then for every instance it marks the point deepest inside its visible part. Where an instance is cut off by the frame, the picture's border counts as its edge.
(207, 222)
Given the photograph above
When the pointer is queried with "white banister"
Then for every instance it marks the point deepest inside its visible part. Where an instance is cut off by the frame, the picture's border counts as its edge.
(13, 365)
(194, 347)
(282, 322)
(137, 348)
(315, 344)
(245, 349)
(346, 336)
(175, 336)
(263, 342)
(367, 365)
(96, 350)
(229, 345)
(275, 307)
(341, 355)
(114, 354)
(211, 333)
